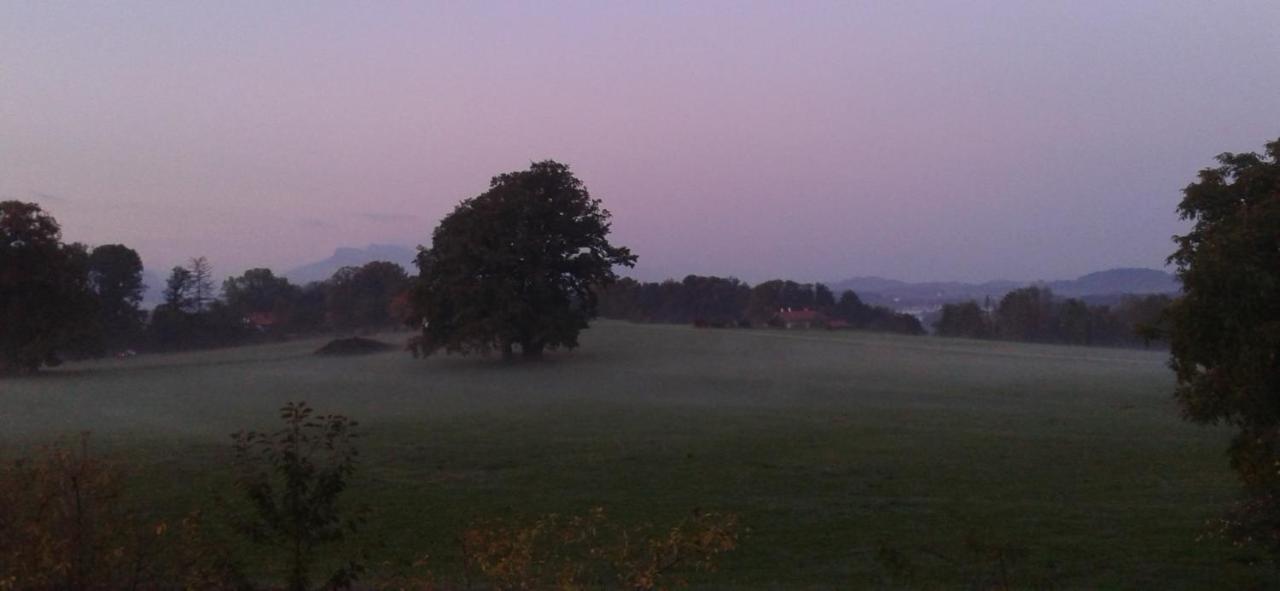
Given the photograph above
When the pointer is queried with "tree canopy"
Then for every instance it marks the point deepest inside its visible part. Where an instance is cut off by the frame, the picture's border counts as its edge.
(115, 275)
(260, 291)
(46, 305)
(519, 264)
(361, 297)
(1225, 330)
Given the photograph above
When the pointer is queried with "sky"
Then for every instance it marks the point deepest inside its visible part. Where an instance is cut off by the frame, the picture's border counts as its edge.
(808, 140)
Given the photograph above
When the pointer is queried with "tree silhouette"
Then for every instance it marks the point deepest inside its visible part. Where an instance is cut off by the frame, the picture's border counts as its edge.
(519, 264)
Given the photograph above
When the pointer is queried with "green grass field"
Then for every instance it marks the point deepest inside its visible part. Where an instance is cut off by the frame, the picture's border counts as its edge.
(830, 446)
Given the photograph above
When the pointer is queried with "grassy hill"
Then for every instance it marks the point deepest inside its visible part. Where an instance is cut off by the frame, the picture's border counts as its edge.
(855, 459)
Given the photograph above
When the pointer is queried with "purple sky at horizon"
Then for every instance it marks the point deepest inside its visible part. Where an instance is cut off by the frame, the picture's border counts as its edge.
(807, 140)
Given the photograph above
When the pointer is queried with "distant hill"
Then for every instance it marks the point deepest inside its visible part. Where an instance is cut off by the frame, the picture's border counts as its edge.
(1117, 281)
(1094, 286)
(349, 257)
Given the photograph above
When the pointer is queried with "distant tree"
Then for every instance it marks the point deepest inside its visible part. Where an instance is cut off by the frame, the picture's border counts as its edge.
(823, 299)
(851, 309)
(115, 276)
(1026, 315)
(714, 300)
(201, 283)
(963, 320)
(1074, 323)
(361, 297)
(259, 291)
(1225, 330)
(177, 290)
(309, 310)
(190, 316)
(45, 301)
(886, 320)
(769, 297)
(519, 264)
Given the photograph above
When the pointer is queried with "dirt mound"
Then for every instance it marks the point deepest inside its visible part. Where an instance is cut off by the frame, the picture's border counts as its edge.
(353, 346)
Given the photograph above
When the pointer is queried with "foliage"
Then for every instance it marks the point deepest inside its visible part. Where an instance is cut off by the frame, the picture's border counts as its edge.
(718, 301)
(1026, 315)
(60, 522)
(1225, 330)
(258, 290)
(519, 264)
(115, 276)
(1033, 314)
(361, 297)
(714, 300)
(294, 479)
(177, 290)
(190, 317)
(590, 552)
(65, 524)
(46, 305)
(260, 293)
(963, 320)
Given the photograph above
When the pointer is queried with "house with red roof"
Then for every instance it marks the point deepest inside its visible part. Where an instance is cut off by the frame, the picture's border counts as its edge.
(800, 318)
(262, 321)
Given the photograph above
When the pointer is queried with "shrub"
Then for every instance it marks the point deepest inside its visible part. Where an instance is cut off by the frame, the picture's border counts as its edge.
(293, 479)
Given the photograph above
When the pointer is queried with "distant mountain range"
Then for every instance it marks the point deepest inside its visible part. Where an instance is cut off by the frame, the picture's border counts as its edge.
(1095, 288)
(353, 257)
(1098, 287)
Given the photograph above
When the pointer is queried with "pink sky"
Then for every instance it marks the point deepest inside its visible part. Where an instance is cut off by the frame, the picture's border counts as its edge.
(917, 140)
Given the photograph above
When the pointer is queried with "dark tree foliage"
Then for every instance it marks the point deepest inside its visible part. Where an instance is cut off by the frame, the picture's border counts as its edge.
(520, 264)
(190, 319)
(308, 314)
(46, 305)
(862, 316)
(115, 276)
(852, 309)
(177, 289)
(1026, 315)
(769, 297)
(1032, 314)
(361, 297)
(718, 301)
(260, 292)
(1225, 330)
(294, 479)
(963, 320)
(257, 290)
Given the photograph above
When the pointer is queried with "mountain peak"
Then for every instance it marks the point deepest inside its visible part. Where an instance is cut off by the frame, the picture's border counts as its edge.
(349, 256)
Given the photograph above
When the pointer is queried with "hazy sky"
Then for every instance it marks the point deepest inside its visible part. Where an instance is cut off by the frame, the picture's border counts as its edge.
(941, 140)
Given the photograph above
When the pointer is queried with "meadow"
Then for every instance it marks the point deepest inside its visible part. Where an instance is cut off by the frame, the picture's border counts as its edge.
(856, 460)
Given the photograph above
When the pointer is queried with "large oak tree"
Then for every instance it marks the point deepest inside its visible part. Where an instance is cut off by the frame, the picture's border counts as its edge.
(517, 265)
(1225, 329)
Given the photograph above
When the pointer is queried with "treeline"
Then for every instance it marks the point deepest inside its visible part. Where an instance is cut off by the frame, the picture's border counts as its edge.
(66, 300)
(721, 301)
(1033, 314)
(259, 305)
